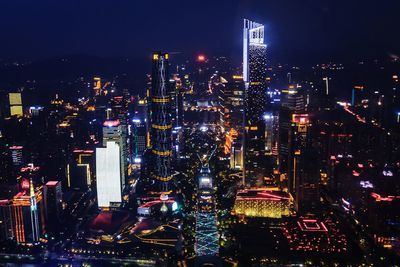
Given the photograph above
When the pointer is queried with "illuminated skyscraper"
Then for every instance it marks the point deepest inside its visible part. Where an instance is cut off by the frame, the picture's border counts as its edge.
(138, 127)
(271, 128)
(254, 70)
(115, 131)
(161, 122)
(28, 216)
(16, 155)
(231, 103)
(303, 175)
(32, 172)
(52, 204)
(80, 170)
(97, 85)
(236, 160)
(291, 101)
(254, 77)
(15, 101)
(108, 175)
(176, 93)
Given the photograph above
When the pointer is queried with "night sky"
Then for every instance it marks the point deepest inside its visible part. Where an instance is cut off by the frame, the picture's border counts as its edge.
(297, 30)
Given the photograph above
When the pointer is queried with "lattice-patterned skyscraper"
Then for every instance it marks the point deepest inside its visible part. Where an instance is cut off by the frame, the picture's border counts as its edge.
(161, 139)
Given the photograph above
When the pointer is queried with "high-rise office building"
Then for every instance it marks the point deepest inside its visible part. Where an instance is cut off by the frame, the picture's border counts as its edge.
(56, 103)
(254, 77)
(80, 170)
(254, 70)
(161, 139)
(28, 216)
(115, 131)
(15, 101)
(119, 111)
(36, 111)
(119, 106)
(291, 100)
(52, 204)
(303, 174)
(33, 173)
(16, 155)
(176, 94)
(6, 223)
(97, 86)
(269, 132)
(138, 128)
(236, 156)
(108, 175)
(231, 94)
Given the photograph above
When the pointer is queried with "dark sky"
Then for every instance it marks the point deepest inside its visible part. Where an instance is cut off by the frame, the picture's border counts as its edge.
(297, 30)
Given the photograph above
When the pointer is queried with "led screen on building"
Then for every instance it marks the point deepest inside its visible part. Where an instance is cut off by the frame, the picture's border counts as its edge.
(108, 175)
(15, 99)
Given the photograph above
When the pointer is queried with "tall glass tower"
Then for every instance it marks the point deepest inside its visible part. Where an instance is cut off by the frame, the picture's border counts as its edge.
(254, 70)
(161, 138)
(254, 77)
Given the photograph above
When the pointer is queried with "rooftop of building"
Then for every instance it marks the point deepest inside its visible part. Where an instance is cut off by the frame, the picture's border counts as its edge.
(263, 194)
(111, 123)
(110, 222)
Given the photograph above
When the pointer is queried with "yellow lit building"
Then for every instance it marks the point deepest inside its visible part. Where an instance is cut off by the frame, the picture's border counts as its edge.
(28, 216)
(264, 202)
(97, 85)
(15, 100)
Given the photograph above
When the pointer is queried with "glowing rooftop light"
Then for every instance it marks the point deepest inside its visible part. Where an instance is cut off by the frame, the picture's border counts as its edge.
(201, 58)
(366, 184)
(164, 197)
(387, 173)
(268, 117)
(110, 123)
(203, 128)
(378, 197)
